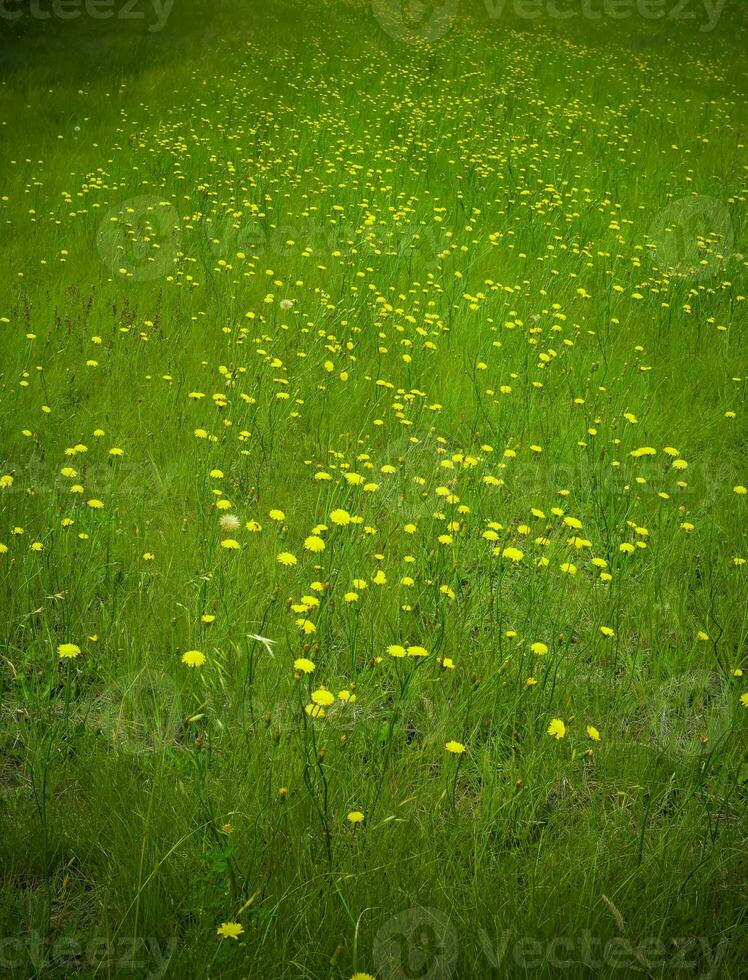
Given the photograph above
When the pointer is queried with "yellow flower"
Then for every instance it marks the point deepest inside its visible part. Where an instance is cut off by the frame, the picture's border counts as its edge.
(593, 733)
(68, 651)
(456, 748)
(557, 728)
(230, 544)
(96, 504)
(276, 515)
(286, 558)
(513, 554)
(340, 517)
(417, 652)
(322, 697)
(193, 658)
(207, 618)
(539, 648)
(230, 930)
(395, 650)
(304, 665)
(314, 543)
(355, 816)
(607, 631)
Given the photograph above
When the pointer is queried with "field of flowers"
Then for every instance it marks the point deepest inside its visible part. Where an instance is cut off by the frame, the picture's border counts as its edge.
(373, 509)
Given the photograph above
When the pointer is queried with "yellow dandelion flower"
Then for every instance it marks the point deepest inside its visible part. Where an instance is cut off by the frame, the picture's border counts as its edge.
(68, 651)
(417, 651)
(513, 554)
(323, 697)
(193, 658)
(456, 748)
(557, 728)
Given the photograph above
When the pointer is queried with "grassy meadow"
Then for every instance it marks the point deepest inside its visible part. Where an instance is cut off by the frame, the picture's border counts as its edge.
(373, 511)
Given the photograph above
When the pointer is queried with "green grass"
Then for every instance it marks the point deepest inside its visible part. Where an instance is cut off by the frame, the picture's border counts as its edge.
(515, 256)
